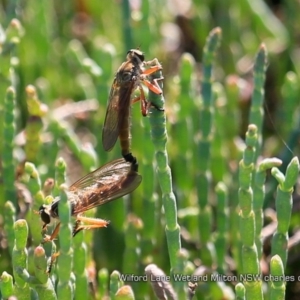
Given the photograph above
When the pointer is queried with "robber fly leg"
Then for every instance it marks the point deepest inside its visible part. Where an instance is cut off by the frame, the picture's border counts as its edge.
(49, 238)
(52, 261)
(90, 223)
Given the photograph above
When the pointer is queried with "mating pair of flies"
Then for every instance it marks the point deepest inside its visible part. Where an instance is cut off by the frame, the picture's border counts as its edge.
(119, 177)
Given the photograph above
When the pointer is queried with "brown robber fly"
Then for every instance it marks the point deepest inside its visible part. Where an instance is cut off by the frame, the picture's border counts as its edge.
(107, 183)
(131, 74)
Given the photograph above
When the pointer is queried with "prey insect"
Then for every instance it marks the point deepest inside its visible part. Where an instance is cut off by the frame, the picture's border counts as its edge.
(107, 183)
(131, 74)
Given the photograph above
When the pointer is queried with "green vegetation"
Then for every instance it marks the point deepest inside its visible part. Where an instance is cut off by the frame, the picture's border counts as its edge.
(219, 163)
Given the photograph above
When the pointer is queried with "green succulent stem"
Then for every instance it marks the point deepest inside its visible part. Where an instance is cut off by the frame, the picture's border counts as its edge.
(34, 185)
(222, 226)
(65, 259)
(240, 292)
(103, 279)
(259, 197)
(20, 258)
(157, 119)
(9, 219)
(6, 285)
(8, 146)
(34, 126)
(257, 111)
(247, 217)
(277, 287)
(284, 203)
(114, 283)
(203, 144)
(132, 239)
(79, 263)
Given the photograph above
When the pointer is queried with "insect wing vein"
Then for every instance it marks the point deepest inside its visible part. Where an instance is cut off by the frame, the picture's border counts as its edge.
(118, 108)
(115, 187)
(110, 171)
(110, 130)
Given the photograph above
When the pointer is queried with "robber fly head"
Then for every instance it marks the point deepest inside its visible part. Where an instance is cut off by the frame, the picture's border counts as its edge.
(48, 211)
(130, 70)
(44, 212)
(135, 56)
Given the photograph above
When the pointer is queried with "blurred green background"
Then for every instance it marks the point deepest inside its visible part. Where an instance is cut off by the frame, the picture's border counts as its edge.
(70, 50)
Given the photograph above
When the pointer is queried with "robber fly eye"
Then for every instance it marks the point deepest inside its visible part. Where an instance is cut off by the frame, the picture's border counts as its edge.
(126, 76)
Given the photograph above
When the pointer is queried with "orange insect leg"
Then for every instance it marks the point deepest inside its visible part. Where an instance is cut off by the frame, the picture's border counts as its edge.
(52, 261)
(152, 70)
(154, 87)
(91, 223)
(49, 238)
(144, 103)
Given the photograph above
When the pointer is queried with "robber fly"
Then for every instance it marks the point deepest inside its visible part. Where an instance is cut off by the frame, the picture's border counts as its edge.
(103, 185)
(129, 76)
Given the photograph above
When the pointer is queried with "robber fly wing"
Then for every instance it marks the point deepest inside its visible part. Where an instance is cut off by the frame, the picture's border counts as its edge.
(109, 172)
(105, 184)
(110, 130)
(118, 109)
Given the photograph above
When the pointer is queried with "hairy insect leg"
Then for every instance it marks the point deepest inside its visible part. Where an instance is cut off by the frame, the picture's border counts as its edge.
(52, 261)
(90, 223)
(154, 67)
(154, 63)
(49, 238)
(145, 105)
(144, 102)
(152, 70)
(155, 88)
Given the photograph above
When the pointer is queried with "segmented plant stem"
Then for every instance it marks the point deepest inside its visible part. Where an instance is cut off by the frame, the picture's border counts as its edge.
(257, 101)
(132, 253)
(9, 219)
(132, 241)
(183, 267)
(103, 279)
(33, 183)
(277, 287)
(259, 196)
(20, 258)
(44, 287)
(150, 198)
(240, 292)
(157, 121)
(284, 203)
(26, 286)
(6, 285)
(184, 129)
(34, 125)
(79, 264)
(8, 144)
(247, 217)
(222, 227)
(114, 284)
(65, 259)
(205, 136)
